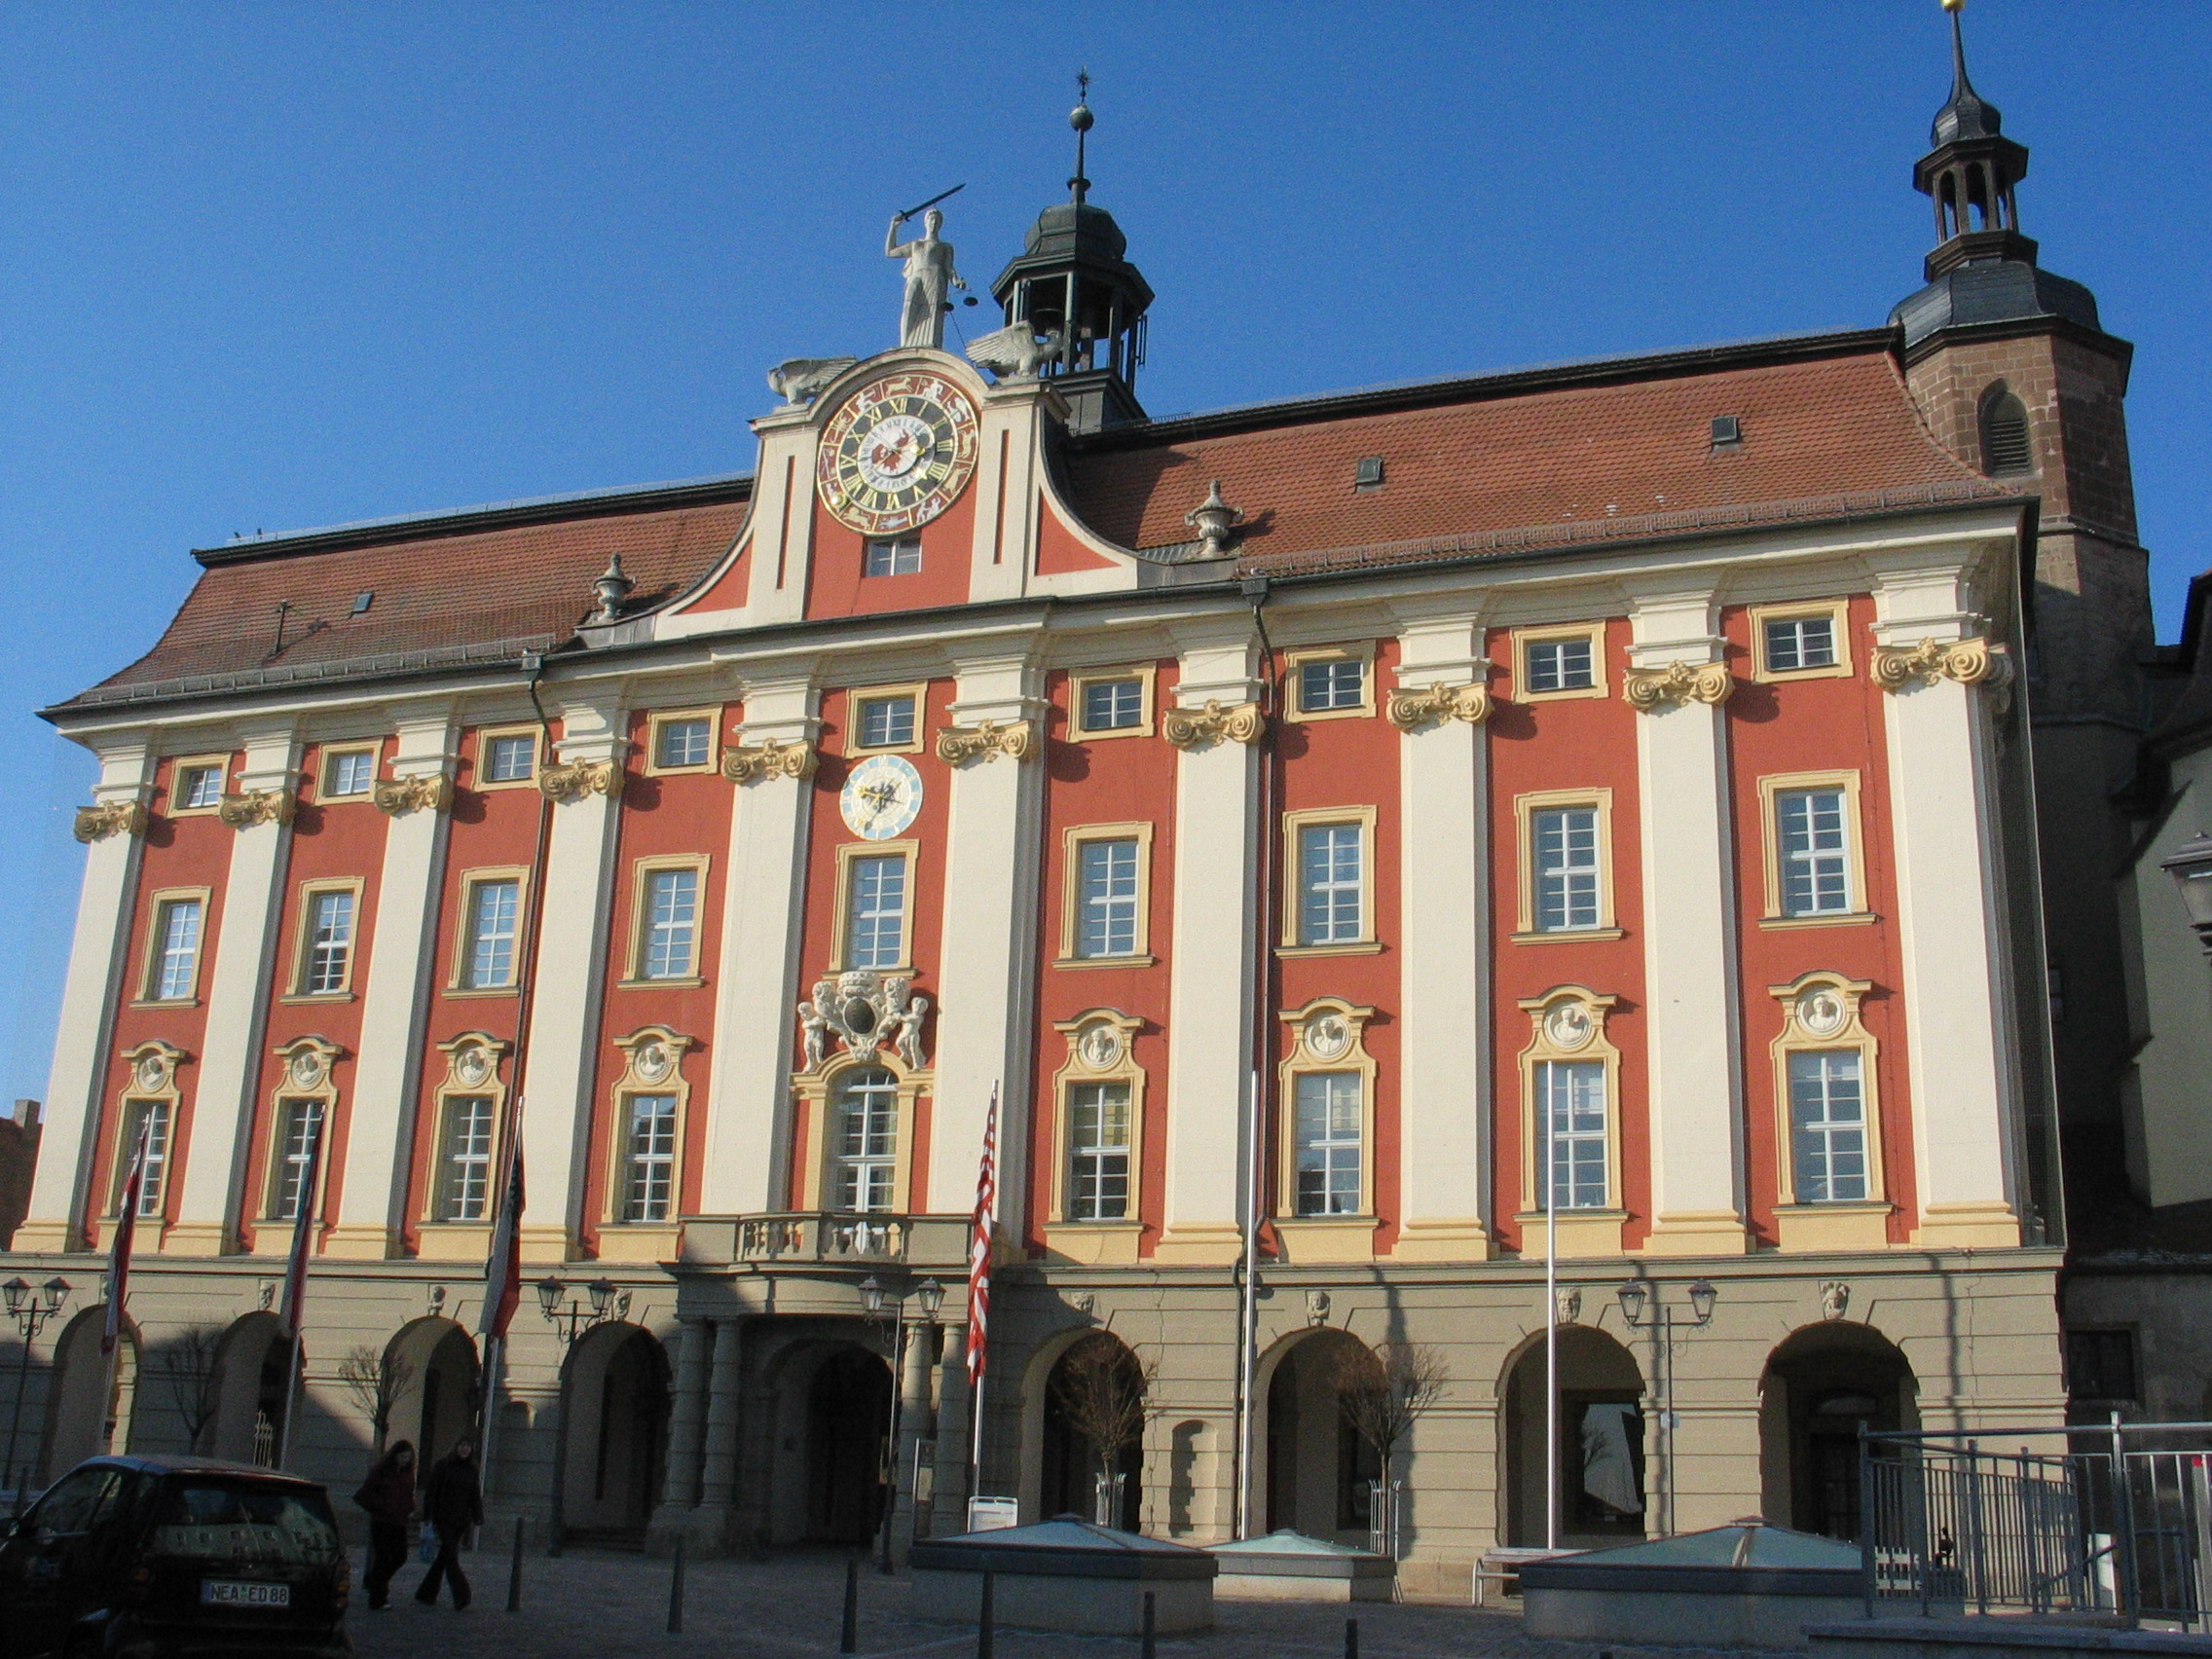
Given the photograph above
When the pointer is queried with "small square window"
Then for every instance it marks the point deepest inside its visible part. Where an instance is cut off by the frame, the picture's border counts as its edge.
(885, 723)
(2100, 1365)
(894, 556)
(1112, 704)
(1562, 665)
(198, 787)
(1800, 641)
(681, 743)
(350, 772)
(1728, 431)
(511, 758)
(1331, 682)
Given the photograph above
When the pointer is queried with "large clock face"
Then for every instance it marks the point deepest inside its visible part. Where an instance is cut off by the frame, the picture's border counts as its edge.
(882, 797)
(897, 453)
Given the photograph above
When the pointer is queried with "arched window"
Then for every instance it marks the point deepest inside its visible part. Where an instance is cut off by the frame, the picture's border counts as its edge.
(2005, 446)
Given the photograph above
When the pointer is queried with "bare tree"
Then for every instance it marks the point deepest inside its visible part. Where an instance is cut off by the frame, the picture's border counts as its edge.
(1104, 1389)
(1384, 1390)
(187, 1363)
(375, 1381)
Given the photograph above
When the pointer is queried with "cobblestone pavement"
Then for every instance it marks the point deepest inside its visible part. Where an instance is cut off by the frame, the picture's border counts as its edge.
(595, 1604)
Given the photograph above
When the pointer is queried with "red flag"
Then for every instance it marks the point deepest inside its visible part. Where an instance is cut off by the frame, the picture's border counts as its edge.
(125, 1228)
(979, 1245)
(502, 1267)
(303, 1233)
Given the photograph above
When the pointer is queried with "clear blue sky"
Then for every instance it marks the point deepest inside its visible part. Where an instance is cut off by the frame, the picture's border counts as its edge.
(274, 266)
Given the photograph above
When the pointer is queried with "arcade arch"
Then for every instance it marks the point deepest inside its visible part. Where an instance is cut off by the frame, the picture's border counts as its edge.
(252, 1390)
(831, 1412)
(90, 1406)
(1317, 1468)
(1602, 1478)
(1823, 1385)
(1093, 1391)
(437, 1404)
(614, 1432)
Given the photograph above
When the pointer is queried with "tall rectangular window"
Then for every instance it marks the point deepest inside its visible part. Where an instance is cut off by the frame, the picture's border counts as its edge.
(866, 1144)
(493, 917)
(894, 556)
(649, 1157)
(176, 946)
(351, 772)
(686, 742)
(1107, 889)
(1571, 1129)
(299, 1126)
(1327, 1122)
(1112, 704)
(1331, 682)
(875, 912)
(197, 788)
(885, 723)
(153, 1119)
(1813, 827)
(1331, 884)
(1827, 1126)
(1561, 665)
(1098, 1152)
(671, 907)
(329, 951)
(464, 1159)
(1795, 643)
(1567, 880)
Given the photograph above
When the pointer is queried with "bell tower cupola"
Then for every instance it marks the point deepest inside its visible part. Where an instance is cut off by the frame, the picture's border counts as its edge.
(1970, 173)
(1073, 284)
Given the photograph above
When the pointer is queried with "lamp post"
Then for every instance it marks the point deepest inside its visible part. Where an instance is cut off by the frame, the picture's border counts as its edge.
(1646, 1309)
(2190, 867)
(31, 1312)
(885, 1309)
(573, 1319)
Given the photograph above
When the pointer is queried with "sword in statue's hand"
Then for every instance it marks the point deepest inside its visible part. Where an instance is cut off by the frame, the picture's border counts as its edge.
(931, 203)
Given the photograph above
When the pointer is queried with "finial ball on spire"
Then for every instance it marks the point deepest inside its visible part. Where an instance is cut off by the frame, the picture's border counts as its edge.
(1080, 117)
(1954, 5)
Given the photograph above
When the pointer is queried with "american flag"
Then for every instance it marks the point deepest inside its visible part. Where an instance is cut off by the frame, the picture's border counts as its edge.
(119, 1254)
(302, 1236)
(979, 1245)
(502, 1267)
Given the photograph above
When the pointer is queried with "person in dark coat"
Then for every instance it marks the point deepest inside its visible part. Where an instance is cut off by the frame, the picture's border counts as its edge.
(388, 1495)
(452, 1503)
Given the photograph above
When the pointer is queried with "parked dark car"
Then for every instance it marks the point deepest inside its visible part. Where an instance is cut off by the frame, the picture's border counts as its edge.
(142, 1558)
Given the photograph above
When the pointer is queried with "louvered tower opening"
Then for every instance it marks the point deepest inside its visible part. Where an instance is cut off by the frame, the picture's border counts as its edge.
(2005, 446)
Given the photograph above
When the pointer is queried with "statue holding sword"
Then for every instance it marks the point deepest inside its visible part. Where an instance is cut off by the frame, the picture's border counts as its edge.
(929, 273)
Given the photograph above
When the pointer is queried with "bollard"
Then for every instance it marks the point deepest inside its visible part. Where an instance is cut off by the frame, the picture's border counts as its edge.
(983, 1618)
(1143, 1644)
(676, 1590)
(849, 1634)
(1351, 1638)
(514, 1572)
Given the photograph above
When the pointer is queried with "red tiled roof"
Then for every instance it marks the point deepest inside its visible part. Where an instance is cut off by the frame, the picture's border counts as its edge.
(436, 589)
(1538, 461)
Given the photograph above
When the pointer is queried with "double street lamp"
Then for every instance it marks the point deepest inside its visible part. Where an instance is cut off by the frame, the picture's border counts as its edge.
(884, 1308)
(31, 1311)
(1646, 1309)
(574, 1320)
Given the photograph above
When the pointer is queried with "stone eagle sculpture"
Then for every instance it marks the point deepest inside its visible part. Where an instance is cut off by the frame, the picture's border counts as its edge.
(798, 380)
(1014, 353)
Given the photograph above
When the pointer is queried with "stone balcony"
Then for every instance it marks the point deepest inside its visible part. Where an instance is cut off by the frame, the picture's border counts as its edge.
(815, 1238)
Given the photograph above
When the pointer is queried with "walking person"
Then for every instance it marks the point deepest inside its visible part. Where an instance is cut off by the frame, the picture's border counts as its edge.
(452, 1503)
(388, 1495)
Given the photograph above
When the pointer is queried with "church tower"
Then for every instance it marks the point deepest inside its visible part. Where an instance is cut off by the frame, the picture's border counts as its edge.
(2013, 372)
(1073, 276)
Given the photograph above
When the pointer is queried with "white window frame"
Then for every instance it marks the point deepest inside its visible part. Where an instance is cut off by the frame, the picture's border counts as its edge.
(1772, 789)
(326, 793)
(1294, 826)
(1326, 1036)
(151, 973)
(465, 931)
(304, 942)
(657, 723)
(174, 797)
(1526, 808)
(860, 695)
(848, 856)
(1073, 908)
(895, 550)
(1820, 1013)
(480, 765)
(1295, 665)
(636, 971)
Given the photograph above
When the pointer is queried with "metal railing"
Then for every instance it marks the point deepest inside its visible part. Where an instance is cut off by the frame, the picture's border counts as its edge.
(2095, 1526)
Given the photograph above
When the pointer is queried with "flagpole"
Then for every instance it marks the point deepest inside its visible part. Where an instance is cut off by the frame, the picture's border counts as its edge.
(119, 1281)
(1551, 1329)
(979, 1251)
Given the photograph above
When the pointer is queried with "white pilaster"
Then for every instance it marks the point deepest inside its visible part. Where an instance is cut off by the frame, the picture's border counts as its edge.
(1689, 938)
(564, 1033)
(1944, 816)
(1444, 963)
(1008, 466)
(1215, 961)
(237, 1008)
(387, 1073)
(783, 518)
(88, 998)
(986, 969)
(748, 1132)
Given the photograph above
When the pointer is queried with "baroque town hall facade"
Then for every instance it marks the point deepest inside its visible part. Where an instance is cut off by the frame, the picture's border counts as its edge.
(1330, 805)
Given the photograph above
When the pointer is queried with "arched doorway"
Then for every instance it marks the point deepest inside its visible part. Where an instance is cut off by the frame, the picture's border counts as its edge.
(252, 1390)
(434, 1403)
(1601, 1476)
(1095, 1395)
(1319, 1467)
(615, 1434)
(1821, 1387)
(90, 1402)
(848, 1414)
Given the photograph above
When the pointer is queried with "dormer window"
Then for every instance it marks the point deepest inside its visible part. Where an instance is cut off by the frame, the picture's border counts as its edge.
(2005, 451)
